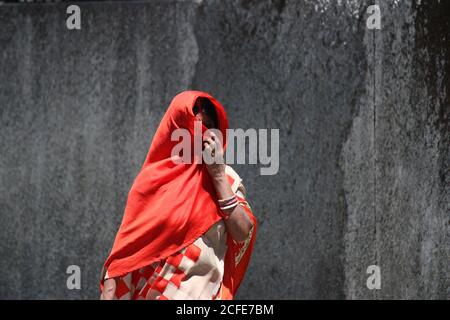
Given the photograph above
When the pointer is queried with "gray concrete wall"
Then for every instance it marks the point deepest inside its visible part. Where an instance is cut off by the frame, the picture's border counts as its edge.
(364, 136)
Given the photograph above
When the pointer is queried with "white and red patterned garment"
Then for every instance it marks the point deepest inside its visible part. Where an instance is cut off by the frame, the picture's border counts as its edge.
(195, 272)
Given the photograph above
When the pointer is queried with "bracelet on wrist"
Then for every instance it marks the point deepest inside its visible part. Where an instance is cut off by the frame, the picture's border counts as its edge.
(227, 204)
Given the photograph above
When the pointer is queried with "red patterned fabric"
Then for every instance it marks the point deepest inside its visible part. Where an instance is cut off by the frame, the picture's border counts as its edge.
(154, 282)
(163, 280)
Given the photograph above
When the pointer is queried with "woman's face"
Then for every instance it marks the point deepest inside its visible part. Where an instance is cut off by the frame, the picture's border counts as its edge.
(206, 115)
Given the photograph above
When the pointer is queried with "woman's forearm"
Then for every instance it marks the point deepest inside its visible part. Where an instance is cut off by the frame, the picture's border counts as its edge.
(238, 224)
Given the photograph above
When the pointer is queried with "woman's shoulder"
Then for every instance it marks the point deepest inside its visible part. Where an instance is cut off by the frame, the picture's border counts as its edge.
(235, 180)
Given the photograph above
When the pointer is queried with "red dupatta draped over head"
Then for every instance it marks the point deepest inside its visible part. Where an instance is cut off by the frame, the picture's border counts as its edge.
(169, 205)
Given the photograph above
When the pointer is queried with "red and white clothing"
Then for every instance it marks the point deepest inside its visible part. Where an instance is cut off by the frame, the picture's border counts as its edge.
(195, 272)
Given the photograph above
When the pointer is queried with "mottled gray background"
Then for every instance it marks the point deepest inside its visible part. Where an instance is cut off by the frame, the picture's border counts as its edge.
(364, 126)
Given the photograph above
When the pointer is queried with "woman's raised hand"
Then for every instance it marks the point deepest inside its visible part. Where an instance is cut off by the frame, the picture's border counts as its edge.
(213, 155)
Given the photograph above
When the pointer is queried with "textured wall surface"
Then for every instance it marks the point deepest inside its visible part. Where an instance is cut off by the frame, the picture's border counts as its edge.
(363, 115)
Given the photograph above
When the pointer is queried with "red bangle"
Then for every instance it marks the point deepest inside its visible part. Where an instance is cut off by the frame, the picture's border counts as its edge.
(228, 203)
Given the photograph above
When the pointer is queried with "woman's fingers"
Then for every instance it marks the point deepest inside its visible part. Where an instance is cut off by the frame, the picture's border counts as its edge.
(211, 135)
(212, 144)
(209, 140)
(209, 150)
(213, 139)
(207, 146)
(109, 289)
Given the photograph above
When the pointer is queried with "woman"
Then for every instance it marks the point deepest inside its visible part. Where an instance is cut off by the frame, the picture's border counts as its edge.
(187, 230)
